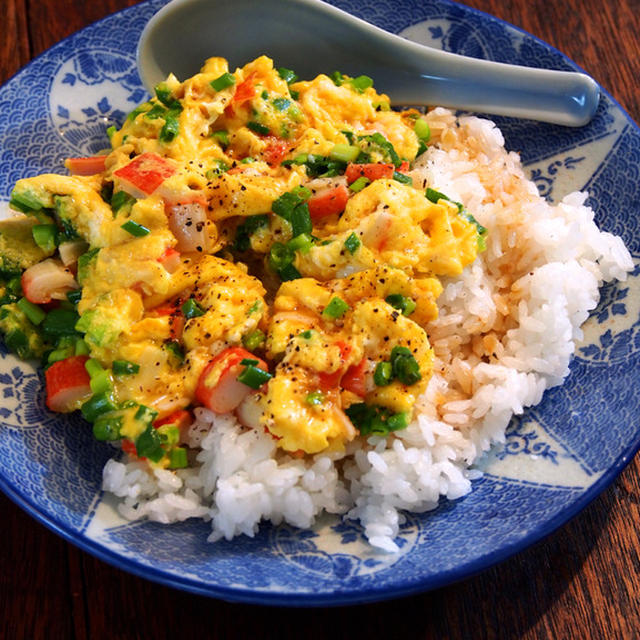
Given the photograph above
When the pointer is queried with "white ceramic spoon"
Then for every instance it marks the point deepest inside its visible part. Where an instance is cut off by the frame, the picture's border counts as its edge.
(312, 37)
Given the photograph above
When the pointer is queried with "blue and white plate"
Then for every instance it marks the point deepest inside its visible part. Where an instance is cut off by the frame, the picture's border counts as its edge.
(557, 457)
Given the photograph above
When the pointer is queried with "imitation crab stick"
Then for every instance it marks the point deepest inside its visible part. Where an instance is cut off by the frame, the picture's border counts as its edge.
(67, 383)
(47, 280)
(372, 171)
(219, 388)
(144, 174)
(85, 166)
(328, 202)
(354, 379)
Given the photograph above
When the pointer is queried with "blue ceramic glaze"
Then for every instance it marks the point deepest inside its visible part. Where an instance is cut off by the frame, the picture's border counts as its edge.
(557, 457)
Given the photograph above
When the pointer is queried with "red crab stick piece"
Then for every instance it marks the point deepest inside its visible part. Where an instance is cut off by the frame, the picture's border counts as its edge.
(218, 387)
(46, 280)
(67, 383)
(355, 380)
(85, 166)
(372, 171)
(144, 174)
(328, 202)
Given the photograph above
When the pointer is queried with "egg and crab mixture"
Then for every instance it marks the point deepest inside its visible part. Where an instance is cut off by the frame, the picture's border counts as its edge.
(250, 244)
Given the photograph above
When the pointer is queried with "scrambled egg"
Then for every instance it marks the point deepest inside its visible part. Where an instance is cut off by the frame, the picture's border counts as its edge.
(247, 213)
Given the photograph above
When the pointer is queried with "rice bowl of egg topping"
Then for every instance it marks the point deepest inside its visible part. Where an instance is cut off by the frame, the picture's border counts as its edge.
(281, 298)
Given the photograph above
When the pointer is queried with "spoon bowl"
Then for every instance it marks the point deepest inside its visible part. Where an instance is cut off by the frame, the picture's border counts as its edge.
(313, 37)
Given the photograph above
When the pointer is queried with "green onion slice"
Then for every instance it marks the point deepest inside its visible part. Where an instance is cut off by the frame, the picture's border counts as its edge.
(336, 308)
(224, 81)
(253, 376)
(135, 229)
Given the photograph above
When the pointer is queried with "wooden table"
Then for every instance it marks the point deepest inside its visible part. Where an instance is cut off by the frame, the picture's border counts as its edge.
(581, 582)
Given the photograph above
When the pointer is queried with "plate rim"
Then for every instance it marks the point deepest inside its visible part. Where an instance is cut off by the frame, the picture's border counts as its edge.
(351, 596)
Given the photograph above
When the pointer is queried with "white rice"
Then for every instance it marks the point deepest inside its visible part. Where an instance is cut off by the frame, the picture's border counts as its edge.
(506, 332)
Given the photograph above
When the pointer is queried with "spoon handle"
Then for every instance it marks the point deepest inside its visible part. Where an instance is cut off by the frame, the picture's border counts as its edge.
(559, 97)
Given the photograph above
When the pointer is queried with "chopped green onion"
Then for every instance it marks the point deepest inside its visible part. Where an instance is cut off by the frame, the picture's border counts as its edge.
(149, 444)
(170, 129)
(81, 348)
(361, 83)
(280, 256)
(404, 365)
(300, 220)
(336, 308)
(315, 398)
(178, 458)
(74, 296)
(302, 192)
(84, 263)
(378, 140)
(373, 419)
(101, 382)
(191, 309)
(422, 147)
(97, 405)
(482, 231)
(93, 367)
(169, 434)
(135, 229)
(157, 111)
(138, 110)
(60, 322)
(124, 368)
(264, 95)
(285, 204)
(382, 374)
(289, 272)
(222, 136)
(401, 177)
(224, 81)
(337, 78)
(107, 427)
(434, 196)
(254, 377)
(398, 421)
(33, 312)
(359, 184)
(110, 131)
(352, 243)
(163, 93)
(344, 152)
(254, 340)
(17, 341)
(59, 354)
(44, 236)
(245, 362)
(301, 243)
(247, 160)
(121, 199)
(25, 202)
(307, 334)
(281, 103)
(174, 348)
(254, 307)
(258, 128)
(145, 414)
(422, 130)
(404, 304)
(288, 75)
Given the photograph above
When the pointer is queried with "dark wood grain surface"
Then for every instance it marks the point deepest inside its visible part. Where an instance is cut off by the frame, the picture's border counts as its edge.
(581, 582)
